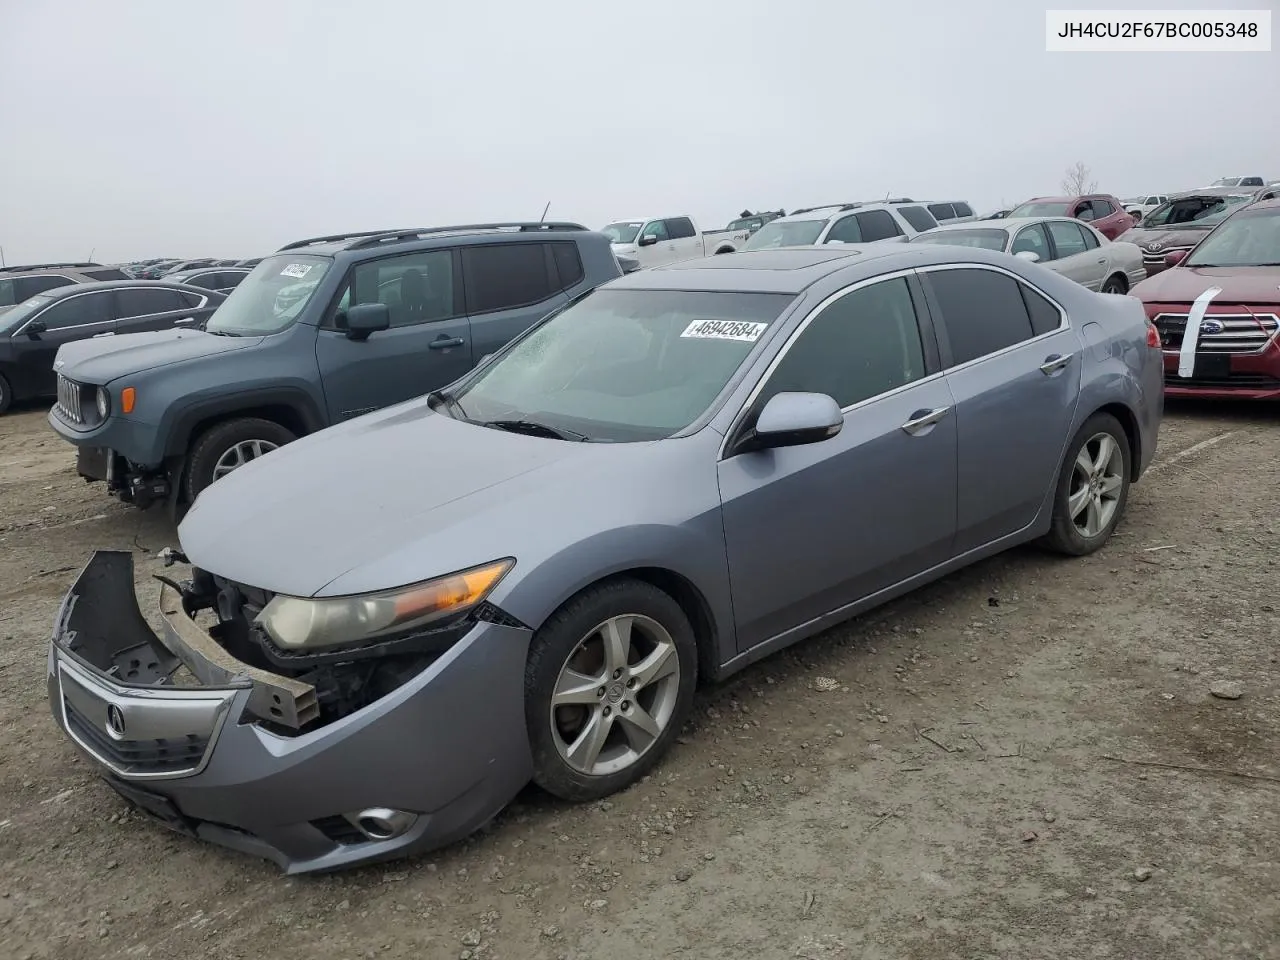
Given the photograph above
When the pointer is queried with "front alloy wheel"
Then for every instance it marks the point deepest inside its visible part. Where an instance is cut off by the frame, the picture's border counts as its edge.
(608, 685)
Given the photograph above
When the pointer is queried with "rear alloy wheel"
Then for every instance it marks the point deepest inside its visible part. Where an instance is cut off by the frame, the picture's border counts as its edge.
(228, 446)
(1115, 284)
(1092, 488)
(6, 394)
(609, 683)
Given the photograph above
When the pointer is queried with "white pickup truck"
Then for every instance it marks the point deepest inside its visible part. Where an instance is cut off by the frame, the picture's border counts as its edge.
(657, 240)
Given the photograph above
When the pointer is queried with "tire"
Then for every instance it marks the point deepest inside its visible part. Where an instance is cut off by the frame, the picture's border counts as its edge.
(6, 394)
(220, 440)
(1116, 284)
(1067, 533)
(573, 639)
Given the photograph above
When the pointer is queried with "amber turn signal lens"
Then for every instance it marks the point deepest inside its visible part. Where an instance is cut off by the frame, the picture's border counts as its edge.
(127, 398)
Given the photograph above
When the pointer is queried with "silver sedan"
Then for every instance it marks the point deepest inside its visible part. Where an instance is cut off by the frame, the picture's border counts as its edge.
(1067, 246)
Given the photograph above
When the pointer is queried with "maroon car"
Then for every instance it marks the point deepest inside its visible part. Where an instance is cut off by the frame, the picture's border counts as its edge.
(1101, 211)
(1229, 287)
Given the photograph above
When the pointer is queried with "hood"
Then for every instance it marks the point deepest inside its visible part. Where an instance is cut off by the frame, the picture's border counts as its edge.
(1247, 285)
(1158, 239)
(104, 359)
(406, 494)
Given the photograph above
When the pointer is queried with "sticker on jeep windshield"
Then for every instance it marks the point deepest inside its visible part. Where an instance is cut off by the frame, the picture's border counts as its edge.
(725, 330)
(296, 270)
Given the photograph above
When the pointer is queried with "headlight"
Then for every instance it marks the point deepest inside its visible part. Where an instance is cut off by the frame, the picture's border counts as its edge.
(103, 404)
(296, 623)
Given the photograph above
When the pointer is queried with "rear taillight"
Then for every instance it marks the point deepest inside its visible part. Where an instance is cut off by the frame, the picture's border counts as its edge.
(1153, 336)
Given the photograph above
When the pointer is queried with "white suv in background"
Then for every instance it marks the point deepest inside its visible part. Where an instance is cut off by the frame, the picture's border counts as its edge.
(844, 223)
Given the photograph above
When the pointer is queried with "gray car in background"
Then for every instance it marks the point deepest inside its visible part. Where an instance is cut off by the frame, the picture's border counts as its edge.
(390, 627)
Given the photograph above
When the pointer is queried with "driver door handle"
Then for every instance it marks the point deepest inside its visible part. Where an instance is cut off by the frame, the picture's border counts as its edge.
(921, 420)
(1055, 362)
(444, 343)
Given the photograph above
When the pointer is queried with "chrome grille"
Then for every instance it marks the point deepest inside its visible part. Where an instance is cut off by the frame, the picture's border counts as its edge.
(172, 756)
(69, 407)
(1240, 333)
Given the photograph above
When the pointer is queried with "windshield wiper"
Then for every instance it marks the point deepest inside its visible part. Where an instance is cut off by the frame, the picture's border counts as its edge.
(221, 333)
(534, 429)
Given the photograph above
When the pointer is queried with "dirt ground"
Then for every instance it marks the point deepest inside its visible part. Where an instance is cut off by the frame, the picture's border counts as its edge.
(1021, 761)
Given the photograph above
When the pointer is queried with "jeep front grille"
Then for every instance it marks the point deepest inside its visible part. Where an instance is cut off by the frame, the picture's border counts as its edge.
(69, 403)
(1240, 333)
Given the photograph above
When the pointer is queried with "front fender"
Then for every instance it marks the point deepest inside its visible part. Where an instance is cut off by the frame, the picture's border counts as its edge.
(693, 551)
(180, 419)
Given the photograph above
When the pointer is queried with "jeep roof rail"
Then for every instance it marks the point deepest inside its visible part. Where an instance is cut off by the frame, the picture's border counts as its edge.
(332, 238)
(46, 266)
(520, 226)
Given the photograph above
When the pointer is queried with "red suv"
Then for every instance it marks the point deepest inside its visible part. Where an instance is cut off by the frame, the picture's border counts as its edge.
(1227, 290)
(1101, 211)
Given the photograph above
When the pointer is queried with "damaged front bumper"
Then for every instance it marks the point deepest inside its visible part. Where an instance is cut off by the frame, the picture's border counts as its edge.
(192, 736)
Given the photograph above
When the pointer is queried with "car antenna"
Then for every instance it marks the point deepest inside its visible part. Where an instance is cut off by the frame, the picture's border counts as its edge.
(544, 212)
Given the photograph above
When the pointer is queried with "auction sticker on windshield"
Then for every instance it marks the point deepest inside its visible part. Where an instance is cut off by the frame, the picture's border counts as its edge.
(725, 330)
(296, 270)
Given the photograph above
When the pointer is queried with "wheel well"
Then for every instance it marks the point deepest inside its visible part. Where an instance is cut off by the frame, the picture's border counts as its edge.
(725, 250)
(1130, 424)
(691, 601)
(1124, 281)
(280, 413)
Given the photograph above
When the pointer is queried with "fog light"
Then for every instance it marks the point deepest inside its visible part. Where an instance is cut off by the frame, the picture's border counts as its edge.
(382, 823)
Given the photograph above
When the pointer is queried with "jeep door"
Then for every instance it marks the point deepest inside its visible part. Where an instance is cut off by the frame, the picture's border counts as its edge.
(512, 285)
(76, 317)
(427, 345)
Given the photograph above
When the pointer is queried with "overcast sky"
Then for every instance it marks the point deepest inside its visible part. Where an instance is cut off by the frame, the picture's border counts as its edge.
(149, 127)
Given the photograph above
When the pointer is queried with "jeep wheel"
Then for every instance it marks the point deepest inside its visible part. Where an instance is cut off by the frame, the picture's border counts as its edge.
(228, 445)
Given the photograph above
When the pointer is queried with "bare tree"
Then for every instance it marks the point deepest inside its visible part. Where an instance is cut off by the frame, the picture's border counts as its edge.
(1077, 181)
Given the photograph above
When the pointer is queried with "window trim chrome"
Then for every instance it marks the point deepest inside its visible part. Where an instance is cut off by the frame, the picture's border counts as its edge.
(736, 423)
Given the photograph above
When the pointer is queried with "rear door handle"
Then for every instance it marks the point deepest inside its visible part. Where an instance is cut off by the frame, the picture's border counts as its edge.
(444, 343)
(109, 333)
(1054, 363)
(922, 420)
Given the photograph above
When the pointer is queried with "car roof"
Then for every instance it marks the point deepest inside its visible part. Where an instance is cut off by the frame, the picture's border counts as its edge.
(1273, 204)
(56, 292)
(793, 269)
(1005, 223)
(416, 238)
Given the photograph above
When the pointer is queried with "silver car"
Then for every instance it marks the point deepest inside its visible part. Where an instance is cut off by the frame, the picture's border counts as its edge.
(1063, 244)
(390, 627)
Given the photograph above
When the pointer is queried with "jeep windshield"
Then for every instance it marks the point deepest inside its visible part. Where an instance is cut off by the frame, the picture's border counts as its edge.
(623, 231)
(790, 233)
(271, 298)
(618, 365)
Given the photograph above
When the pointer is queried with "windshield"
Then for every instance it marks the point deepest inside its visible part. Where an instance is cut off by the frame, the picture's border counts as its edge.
(986, 239)
(750, 223)
(1249, 239)
(789, 233)
(623, 365)
(1042, 208)
(1193, 212)
(271, 297)
(623, 232)
(11, 317)
(1226, 182)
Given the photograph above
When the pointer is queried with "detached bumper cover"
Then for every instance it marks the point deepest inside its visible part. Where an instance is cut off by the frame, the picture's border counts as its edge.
(449, 746)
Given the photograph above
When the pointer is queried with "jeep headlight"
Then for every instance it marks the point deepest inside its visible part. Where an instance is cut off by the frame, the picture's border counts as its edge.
(297, 623)
(103, 402)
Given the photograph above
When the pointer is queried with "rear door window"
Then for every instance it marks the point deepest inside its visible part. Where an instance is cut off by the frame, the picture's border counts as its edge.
(878, 225)
(680, 228)
(963, 210)
(1067, 238)
(942, 211)
(982, 311)
(919, 218)
(143, 302)
(506, 276)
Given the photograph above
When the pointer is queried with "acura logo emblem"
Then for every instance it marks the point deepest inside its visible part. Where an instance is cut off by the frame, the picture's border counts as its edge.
(115, 721)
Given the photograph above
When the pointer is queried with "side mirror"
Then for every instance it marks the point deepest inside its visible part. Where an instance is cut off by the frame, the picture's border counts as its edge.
(366, 318)
(1175, 257)
(1029, 255)
(35, 328)
(793, 419)
(648, 240)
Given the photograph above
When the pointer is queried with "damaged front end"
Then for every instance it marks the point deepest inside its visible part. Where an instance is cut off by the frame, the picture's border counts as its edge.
(297, 756)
